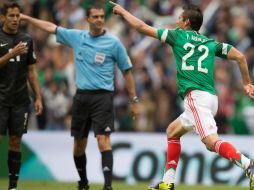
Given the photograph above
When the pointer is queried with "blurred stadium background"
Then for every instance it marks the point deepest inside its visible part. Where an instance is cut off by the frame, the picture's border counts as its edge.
(230, 21)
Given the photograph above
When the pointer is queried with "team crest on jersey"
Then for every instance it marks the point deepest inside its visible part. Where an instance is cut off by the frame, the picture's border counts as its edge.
(100, 58)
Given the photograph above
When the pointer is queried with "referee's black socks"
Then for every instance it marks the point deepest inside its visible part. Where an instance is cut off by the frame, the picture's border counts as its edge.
(80, 162)
(107, 165)
(14, 163)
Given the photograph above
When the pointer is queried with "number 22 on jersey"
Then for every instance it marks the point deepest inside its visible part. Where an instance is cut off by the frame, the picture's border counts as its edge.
(191, 48)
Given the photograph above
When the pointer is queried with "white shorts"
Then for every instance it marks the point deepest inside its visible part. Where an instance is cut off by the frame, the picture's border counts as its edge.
(200, 108)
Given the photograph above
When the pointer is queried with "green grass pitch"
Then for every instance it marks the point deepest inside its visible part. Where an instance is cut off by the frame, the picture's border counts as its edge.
(46, 185)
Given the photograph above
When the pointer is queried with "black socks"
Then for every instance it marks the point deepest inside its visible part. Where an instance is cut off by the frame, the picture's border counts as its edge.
(80, 162)
(14, 164)
(107, 165)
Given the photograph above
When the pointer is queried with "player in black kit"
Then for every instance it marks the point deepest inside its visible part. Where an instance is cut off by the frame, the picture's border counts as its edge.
(17, 66)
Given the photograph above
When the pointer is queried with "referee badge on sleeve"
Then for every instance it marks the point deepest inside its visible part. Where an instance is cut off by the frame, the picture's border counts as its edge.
(99, 58)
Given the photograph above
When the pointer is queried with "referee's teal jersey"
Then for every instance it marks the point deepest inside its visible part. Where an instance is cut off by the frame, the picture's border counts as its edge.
(94, 57)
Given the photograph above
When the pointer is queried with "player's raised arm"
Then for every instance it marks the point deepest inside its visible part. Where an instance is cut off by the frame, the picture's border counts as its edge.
(236, 55)
(44, 25)
(136, 23)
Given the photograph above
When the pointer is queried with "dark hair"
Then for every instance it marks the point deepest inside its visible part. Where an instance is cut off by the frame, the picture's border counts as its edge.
(93, 6)
(9, 4)
(195, 16)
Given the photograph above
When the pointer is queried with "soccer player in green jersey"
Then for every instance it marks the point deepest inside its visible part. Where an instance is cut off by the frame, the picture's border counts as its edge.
(195, 56)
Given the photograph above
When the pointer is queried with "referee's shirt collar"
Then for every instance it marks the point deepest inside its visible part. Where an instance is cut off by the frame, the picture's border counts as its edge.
(95, 36)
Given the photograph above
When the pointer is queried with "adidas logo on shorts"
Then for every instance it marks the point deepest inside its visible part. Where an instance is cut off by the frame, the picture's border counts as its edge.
(106, 169)
(107, 129)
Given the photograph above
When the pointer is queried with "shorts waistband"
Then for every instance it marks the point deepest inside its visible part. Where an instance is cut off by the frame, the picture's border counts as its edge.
(101, 91)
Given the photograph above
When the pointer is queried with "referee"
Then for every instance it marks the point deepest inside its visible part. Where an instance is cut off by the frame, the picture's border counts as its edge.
(96, 52)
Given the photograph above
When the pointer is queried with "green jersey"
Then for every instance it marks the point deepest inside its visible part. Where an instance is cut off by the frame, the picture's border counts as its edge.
(195, 54)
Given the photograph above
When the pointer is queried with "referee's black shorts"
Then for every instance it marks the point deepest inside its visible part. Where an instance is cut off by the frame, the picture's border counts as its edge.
(92, 109)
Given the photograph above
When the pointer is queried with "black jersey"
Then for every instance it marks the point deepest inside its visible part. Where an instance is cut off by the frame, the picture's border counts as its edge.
(14, 75)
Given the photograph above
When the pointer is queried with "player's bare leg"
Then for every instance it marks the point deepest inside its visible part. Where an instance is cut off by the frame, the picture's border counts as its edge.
(228, 151)
(174, 132)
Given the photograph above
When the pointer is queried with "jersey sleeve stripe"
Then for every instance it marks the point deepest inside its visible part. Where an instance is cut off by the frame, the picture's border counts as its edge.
(224, 49)
(164, 35)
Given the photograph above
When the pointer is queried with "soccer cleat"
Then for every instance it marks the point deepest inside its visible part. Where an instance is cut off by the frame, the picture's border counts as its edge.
(82, 186)
(13, 189)
(250, 174)
(162, 186)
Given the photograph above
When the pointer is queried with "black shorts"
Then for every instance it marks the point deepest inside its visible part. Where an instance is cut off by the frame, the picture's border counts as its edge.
(13, 120)
(92, 109)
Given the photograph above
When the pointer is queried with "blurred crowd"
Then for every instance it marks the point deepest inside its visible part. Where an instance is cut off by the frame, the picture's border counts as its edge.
(230, 21)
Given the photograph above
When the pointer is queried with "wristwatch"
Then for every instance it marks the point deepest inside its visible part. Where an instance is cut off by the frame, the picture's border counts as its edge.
(134, 100)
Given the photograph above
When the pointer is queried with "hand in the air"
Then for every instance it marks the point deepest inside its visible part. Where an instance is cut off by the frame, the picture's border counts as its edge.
(117, 9)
